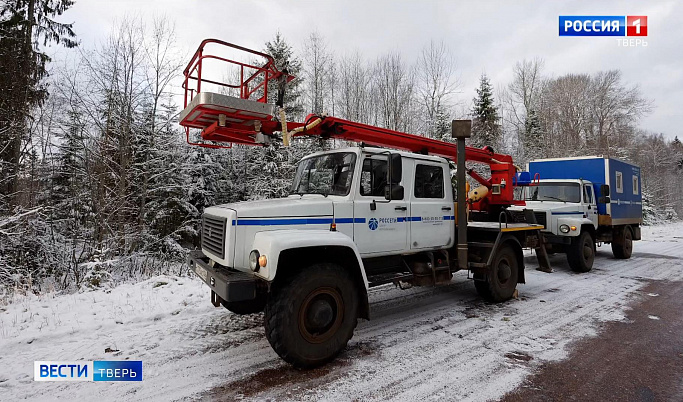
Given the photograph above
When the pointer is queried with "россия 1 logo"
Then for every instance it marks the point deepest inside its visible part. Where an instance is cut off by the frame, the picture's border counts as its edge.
(576, 25)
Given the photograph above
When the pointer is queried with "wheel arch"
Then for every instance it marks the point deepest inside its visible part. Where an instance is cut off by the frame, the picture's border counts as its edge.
(290, 262)
(590, 229)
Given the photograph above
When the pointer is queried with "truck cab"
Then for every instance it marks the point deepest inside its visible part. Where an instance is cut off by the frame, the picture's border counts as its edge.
(348, 188)
(563, 204)
(568, 210)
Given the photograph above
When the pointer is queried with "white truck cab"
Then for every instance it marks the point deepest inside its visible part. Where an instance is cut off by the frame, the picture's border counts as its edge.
(563, 206)
(568, 210)
(346, 188)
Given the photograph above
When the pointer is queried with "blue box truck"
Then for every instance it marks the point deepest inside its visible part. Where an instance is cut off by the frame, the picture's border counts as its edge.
(582, 201)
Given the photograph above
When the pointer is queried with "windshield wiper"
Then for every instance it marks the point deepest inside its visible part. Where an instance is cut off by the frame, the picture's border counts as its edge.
(554, 198)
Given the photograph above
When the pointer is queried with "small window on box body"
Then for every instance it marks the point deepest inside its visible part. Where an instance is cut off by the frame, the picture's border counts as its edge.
(635, 185)
(620, 182)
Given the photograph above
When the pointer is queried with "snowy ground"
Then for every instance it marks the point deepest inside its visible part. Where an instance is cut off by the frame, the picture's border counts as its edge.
(424, 343)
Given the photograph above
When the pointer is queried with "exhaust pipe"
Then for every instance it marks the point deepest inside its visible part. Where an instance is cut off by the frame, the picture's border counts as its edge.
(461, 129)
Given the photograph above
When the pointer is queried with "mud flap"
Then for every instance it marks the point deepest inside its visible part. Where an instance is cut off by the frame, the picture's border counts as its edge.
(542, 255)
(215, 299)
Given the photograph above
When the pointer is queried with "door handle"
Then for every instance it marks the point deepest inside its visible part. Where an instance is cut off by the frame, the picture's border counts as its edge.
(446, 208)
(401, 208)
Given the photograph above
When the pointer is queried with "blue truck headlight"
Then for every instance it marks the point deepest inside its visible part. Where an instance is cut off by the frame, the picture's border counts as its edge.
(564, 228)
(253, 260)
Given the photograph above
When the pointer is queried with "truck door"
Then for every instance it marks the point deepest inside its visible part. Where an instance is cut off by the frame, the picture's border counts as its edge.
(379, 225)
(590, 202)
(431, 207)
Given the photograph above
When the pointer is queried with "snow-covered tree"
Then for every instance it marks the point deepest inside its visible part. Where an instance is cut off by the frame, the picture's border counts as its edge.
(533, 143)
(485, 119)
(287, 62)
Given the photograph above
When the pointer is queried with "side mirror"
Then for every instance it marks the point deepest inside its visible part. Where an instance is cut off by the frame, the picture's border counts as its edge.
(604, 190)
(396, 166)
(393, 192)
(604, 200)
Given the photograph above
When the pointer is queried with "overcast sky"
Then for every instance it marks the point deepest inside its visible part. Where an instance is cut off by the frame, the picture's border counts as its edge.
(484, 36)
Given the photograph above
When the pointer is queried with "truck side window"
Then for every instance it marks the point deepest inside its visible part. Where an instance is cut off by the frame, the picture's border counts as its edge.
(635, 185)
(588, 194)
(620, 182)
(373, 177)
(428, 181)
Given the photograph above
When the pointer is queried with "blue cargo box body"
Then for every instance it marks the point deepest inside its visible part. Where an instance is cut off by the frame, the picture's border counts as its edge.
(623, 178)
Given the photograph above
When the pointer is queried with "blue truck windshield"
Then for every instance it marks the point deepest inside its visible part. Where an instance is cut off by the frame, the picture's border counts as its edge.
(565, 192)
(328, 174)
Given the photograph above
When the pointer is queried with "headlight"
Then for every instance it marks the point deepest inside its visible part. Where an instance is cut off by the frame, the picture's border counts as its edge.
(564, 228)
(253, 261)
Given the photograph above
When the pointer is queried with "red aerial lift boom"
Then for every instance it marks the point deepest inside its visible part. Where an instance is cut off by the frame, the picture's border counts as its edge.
(247, 117)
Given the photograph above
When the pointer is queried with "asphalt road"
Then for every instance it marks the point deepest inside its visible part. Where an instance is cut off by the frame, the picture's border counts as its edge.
(637, 359)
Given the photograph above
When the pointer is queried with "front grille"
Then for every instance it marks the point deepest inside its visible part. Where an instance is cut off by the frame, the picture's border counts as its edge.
(541, 217)
(523, 217)
(213, 234)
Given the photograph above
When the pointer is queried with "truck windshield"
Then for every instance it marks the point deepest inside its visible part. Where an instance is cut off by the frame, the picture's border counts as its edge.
(566, 192)
(328, 174)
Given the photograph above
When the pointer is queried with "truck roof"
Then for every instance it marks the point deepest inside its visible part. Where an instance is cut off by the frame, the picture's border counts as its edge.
(573, 158)
(359, 149)
(562, 180)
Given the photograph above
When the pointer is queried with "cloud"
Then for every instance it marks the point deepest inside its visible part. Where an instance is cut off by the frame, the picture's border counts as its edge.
(486, 36)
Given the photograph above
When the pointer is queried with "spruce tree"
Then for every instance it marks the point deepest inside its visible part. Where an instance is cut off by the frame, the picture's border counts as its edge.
(485, 126)
(532, 137)
(678, 152)
(285, 61)
(267, 172)
(25, 26)
(443, 125)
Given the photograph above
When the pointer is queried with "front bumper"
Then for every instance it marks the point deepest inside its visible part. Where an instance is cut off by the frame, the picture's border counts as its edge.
(229, 285)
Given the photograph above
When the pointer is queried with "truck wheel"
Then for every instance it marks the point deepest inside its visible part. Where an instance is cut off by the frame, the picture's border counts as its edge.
(310, 318)
(247, 306)
(501, 281)
(622, 246)
(581, 253)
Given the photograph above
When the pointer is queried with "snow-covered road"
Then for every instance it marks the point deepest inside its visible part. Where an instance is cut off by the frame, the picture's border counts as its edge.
(423, 343)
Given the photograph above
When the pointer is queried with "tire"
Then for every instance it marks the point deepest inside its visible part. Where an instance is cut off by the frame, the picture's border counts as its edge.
(501, 281)
(622, 246)
(310, 317)
(581, 253)
(247, 306)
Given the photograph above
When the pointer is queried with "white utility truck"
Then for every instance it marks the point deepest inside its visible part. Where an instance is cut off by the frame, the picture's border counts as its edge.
(310, 258)
(356, 218)
(572, 200)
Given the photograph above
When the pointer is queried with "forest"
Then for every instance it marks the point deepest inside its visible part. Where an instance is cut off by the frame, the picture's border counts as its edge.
(97, 184)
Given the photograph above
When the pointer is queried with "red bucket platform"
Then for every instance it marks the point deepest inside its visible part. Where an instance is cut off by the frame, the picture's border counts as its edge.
(224, 118)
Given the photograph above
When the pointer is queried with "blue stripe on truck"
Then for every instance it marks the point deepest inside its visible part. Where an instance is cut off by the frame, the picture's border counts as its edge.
(318, 221)
(294, 221)
(288, 221)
